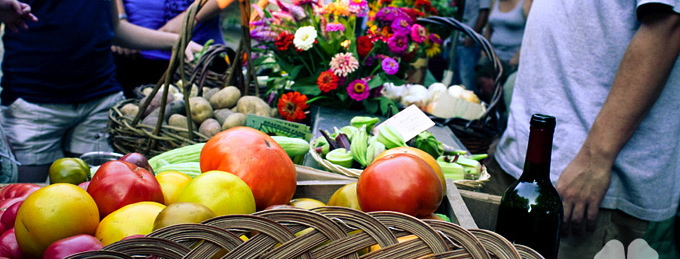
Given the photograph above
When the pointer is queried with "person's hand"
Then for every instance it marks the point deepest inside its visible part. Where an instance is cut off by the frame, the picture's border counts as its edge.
(192, 48)
(582, 186)
(14, 14)
(174, 25)
(124, 51)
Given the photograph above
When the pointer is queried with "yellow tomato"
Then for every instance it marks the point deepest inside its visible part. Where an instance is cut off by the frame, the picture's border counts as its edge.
(54, 212)
(222, 192)
(182, 212)
(346, 196)
(306, 203)
(432, 161)
(131, 219)
(172, 183)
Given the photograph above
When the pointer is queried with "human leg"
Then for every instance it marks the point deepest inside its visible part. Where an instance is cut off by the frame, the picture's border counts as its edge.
(91, 134)
(611, 225)
(35, 133)
(467, 58)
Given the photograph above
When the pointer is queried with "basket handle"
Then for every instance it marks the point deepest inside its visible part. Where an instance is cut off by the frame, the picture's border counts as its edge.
(452, 23)
(176, 61)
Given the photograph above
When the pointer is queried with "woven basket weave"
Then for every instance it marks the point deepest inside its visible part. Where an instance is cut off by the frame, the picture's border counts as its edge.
(324, 232)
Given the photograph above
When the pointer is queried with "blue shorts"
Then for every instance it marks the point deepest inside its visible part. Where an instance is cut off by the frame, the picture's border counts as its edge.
(42, 133)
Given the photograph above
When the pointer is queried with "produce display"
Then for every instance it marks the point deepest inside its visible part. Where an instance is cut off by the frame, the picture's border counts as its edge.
(238, 171)
(357, 145)
(214, 111)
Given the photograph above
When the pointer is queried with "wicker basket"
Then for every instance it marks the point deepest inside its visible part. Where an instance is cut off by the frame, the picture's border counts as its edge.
(211, 69)
(127, 134)
(355, 173)
(324, 232)
(476, 135)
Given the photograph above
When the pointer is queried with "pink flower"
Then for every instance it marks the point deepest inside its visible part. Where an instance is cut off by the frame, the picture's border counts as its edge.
(390, 66)
(418, 33)
(358, 90)
(335, 26)
(343, 64)
(398, 43)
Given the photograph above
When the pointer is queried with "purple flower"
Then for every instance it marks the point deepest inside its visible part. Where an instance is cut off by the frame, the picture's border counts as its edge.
(400, 25)
(386, 14)
(359, 7)
(390, 66)
(358, 90)
(335, 26)
(418, 33)
(435, 38)
(398, 43)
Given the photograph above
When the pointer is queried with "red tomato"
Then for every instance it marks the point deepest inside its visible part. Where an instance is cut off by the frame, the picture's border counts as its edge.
(71, 245)
(5, 204)
(8, 217)
(257, 159)
(119, 183)
(18, 190)
(8, 241)
(400, 182)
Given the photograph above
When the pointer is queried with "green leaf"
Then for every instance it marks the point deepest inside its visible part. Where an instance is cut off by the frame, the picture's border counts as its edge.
(387, 106)
(396, 80)
(307, 86)
(376, 82)
(371, 105)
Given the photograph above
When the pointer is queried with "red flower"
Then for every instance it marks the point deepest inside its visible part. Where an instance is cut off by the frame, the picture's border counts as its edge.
(364, 46)
(284, 40)
(292, 105)
(327, 81)
(423, 3)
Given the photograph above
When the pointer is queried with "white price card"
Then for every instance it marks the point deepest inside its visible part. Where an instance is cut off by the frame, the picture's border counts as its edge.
(409, 122)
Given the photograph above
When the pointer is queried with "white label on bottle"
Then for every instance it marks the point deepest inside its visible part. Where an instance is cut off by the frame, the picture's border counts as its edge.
(409, 122)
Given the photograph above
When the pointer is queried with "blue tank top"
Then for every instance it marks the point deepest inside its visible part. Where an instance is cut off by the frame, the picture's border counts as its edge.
(153, 14)
(65, 57)
(508, 30)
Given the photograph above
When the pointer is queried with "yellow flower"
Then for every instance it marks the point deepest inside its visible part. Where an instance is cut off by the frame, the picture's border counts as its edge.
(345, 44)
(432, 50)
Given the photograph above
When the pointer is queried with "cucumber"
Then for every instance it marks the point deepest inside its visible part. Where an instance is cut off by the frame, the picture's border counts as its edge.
(292, 146)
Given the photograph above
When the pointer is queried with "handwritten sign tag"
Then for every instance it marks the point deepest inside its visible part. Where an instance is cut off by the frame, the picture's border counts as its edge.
(409, 122)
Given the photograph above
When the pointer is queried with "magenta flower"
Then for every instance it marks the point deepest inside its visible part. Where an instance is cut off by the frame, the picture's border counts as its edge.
(358, 90)
(335, 26)
(390, 66)
(418, 33)
(400, 25)
(398, 43)
(358, 7)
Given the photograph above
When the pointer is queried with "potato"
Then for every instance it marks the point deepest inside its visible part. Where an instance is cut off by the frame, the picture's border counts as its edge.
(174, 107)
(155, 102)
(209, 92)
(180, 121)
(236, 119)
(200, 109)
(210, 127)
(222, 114)
(275, 113)
(253, 105)
(225, 98)
(151, 121)
(130, 109)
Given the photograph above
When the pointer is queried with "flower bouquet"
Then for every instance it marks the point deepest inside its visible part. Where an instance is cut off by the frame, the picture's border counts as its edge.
(316, 53)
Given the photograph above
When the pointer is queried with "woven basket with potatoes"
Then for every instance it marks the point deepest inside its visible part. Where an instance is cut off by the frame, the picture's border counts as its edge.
(173, 114)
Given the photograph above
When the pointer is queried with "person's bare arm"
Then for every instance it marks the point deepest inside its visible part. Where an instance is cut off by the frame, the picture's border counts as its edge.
(208, 11)
(644, 70)
(132, 36)
(482, 19)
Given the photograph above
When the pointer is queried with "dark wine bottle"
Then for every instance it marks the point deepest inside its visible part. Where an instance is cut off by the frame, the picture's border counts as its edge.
(531, 210)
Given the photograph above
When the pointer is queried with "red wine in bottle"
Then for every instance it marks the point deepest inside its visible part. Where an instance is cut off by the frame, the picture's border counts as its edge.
(531, 210)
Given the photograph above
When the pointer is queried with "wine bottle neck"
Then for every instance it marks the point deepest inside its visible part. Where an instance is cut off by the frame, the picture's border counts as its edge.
(537, 163)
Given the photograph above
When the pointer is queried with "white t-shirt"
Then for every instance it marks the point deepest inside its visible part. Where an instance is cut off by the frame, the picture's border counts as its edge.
(571, 51)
